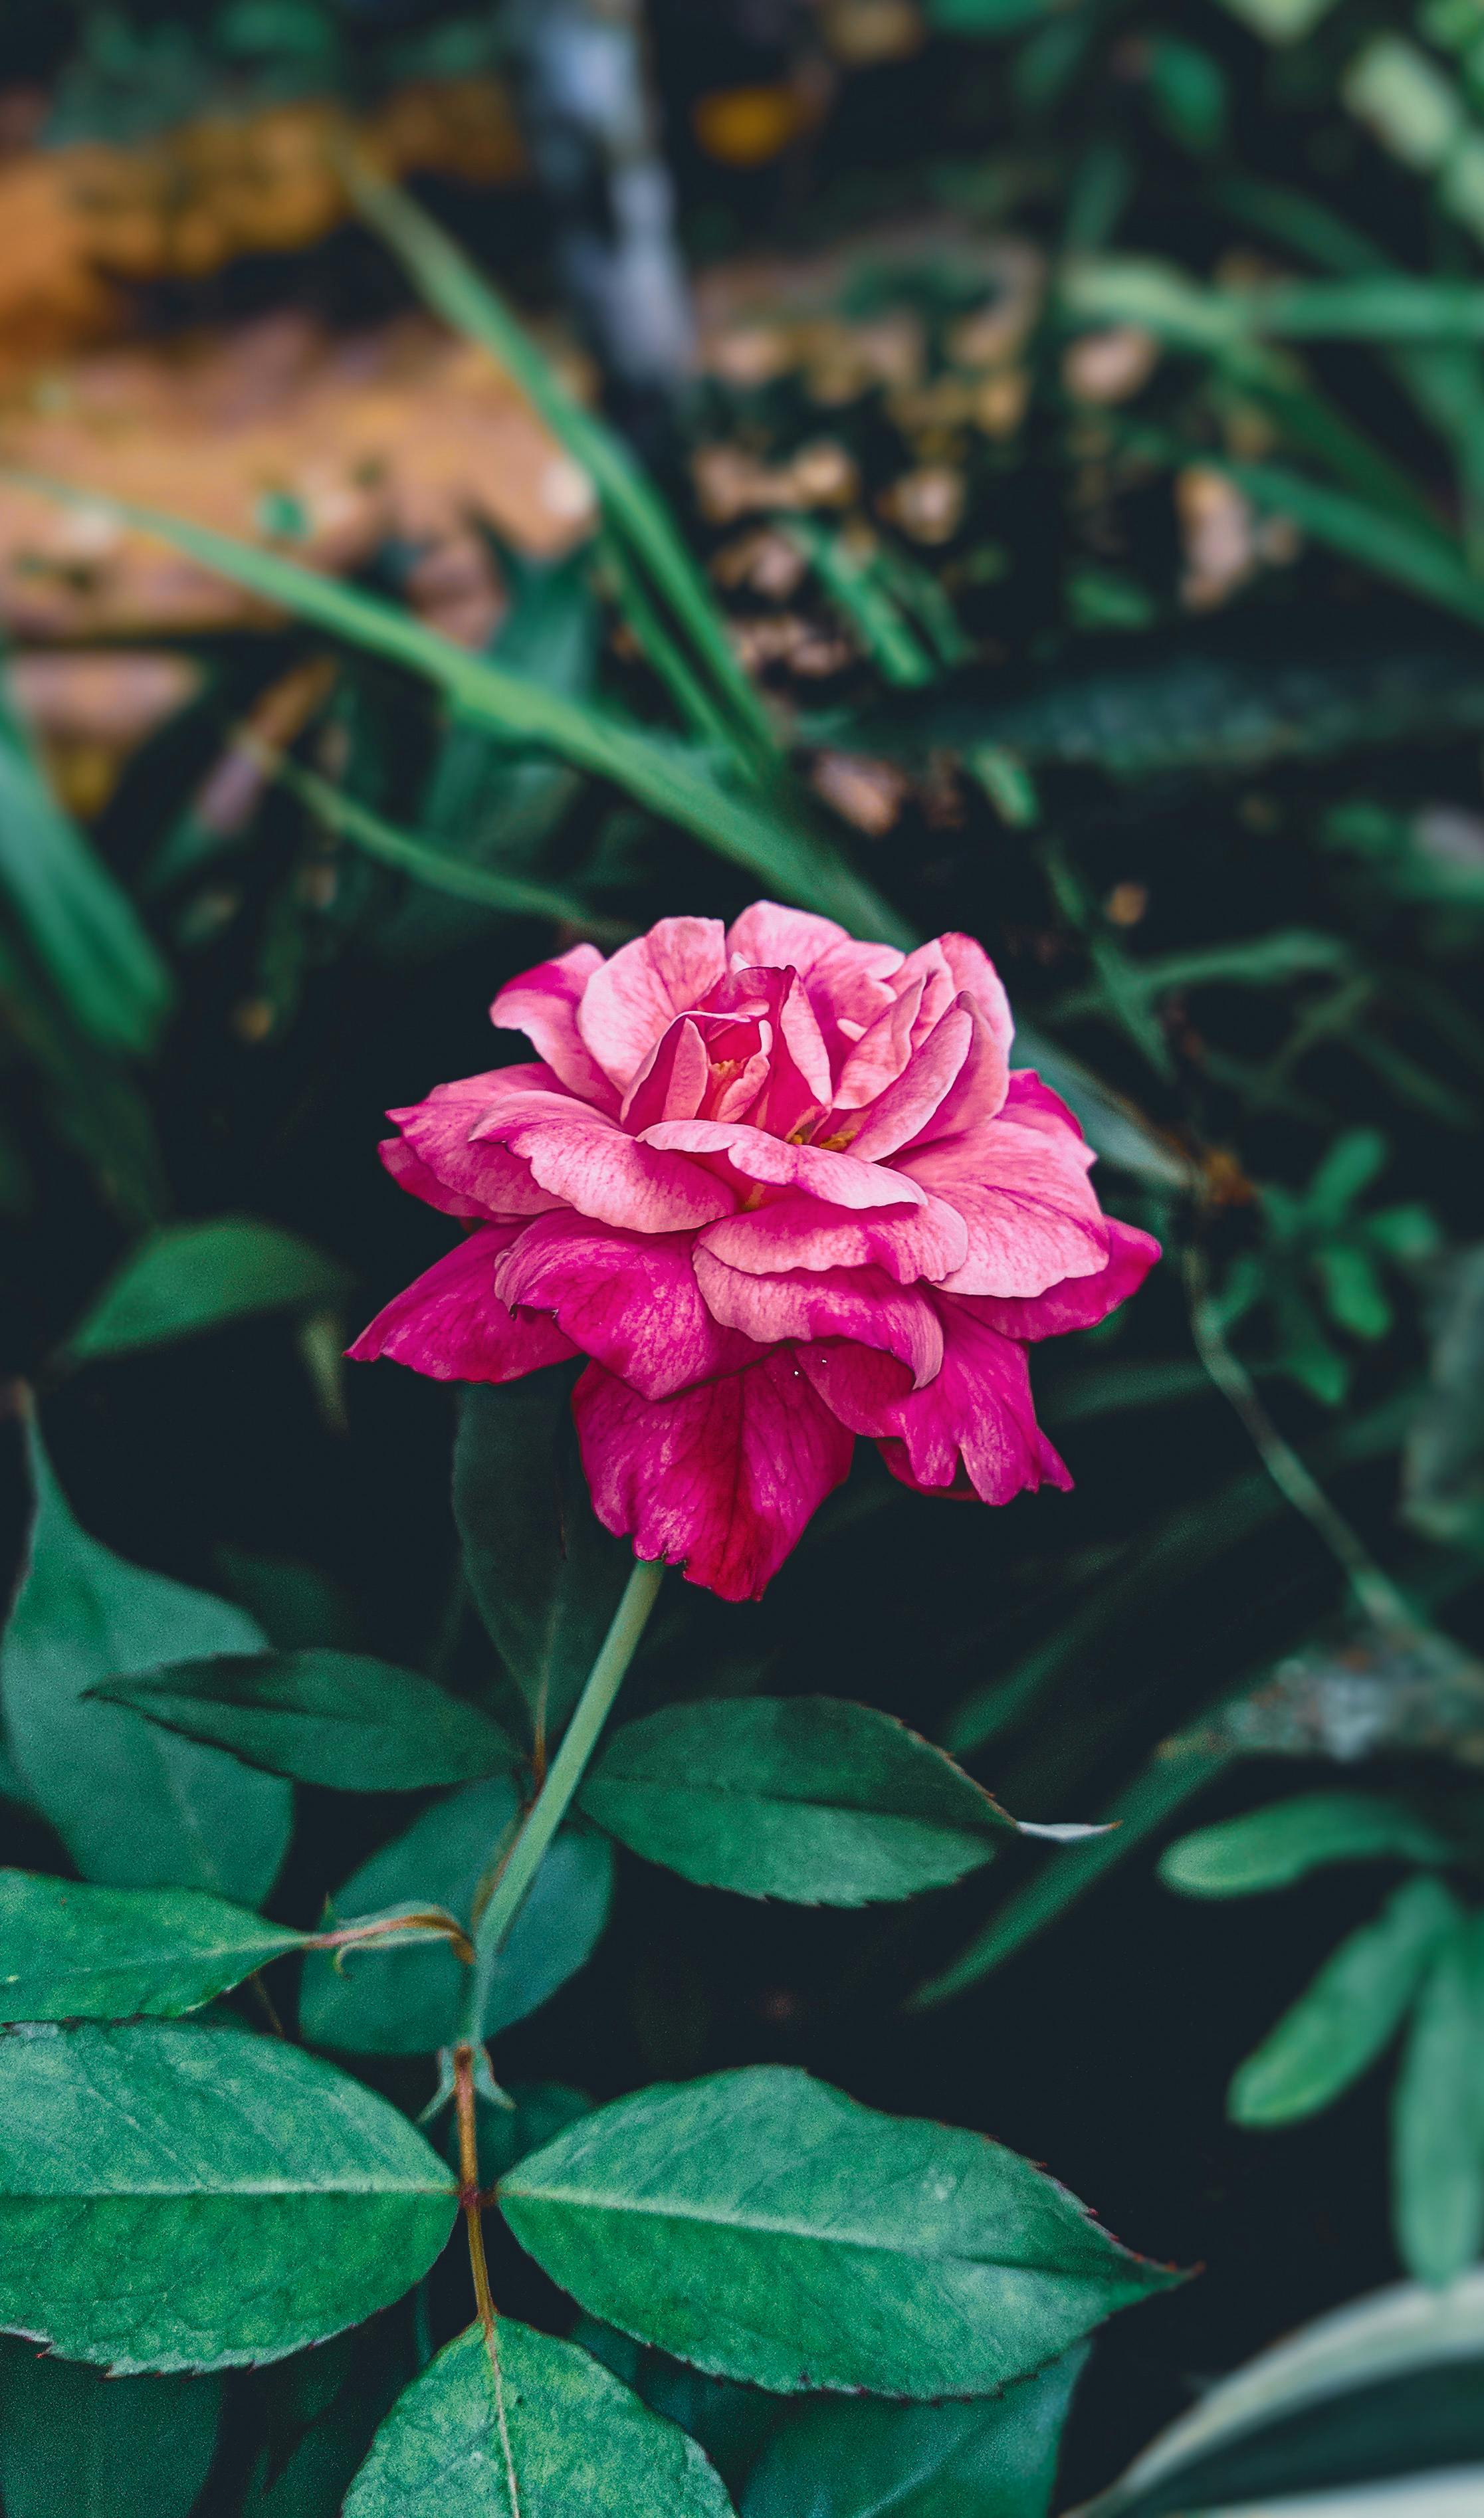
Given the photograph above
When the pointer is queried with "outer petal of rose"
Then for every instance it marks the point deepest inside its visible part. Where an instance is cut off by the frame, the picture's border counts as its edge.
(770, 937)
(451, 1323)
(409, 1172)
(975, 975)
(1032, 1212)
(633, 999)
(1078, 1302)
(440, 1134)
(793, 1232)
(977, 1408)
(628, 1299)
(861, 1385)
(1033, 1104)
(722, 1479)
(542, 1004)
(907, 1110)
(860, 1303)
(773, 1163)
(587, 1161)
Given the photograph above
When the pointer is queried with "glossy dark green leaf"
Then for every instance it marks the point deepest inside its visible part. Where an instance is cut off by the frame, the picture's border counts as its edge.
(174, 2197)
(72, 1952)
(546, 1575)
(581, 2445)
(1437, 2115)
(74, 2444)
(187, 1278)
(1351, 2010)
(135, 1807)
(1388, 2386)
(805, 1798)
(1268, 1849)
(854, 2459)
(323, 1718)
(407, 2001)
(765, 2227)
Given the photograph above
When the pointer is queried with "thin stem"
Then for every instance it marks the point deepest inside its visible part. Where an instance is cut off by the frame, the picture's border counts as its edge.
(471, 2199)
(493, 1927)
(1374, 1591)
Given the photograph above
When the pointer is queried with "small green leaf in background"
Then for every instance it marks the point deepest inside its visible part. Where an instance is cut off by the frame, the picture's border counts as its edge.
(299, 1607)
(580, 2445)
(320, 2411)
(765, 2227)
(731, 2422)
(805, 1798)
(1352, 2008)
(187, 1278)
(1437, 2115)
(174, 2197)
(407, 2001)
(546, 1575)
(71, 1952)
(1269, 1849)
(135, 1807)
(996, 2458)
(337, 1718)
(74, 2444)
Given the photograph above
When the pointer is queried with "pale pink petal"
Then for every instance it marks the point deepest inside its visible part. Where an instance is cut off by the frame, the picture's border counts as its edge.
(1078, 1302)
(881, 1053)
(722, 1479)
(909, 1109)
(773, 1163)
(451, 1323)
(860, 1303)
(1033, 1104)
(1032, 1212)
(978, 1414)
(439, 1133)
(975, 975)
(672, 1085)
(796, 1231)
(587, 1161)
(770, 937)
(929, 974)
(979, 1091)
(633, 999)
(542, 1004)
(628, 1299)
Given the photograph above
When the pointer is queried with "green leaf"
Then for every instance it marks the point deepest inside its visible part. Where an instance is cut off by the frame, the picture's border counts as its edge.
(1268, 1849)
(174, 2197)
(765, 2227)
(337, 1718)
(1352, 2010)
(546, 1575)
(82, 928)
(320, 2410)
(407, 2001)
(996, 2458)
(188, 1277)
(74, 2444)
(1437, 2122)
(581, 2445)
(134, 1808)
(71, 1952)
(805, 1797)
(1389, 2385)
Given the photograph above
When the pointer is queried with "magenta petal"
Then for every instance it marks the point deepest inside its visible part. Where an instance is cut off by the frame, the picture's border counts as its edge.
(860, 1303)
(909, 1107)
(979, 1092)
(879, 1056)
(673, 1084)
(542, 1004)
(975, 975)
(1033, 1104)
(979, 1410)
(1078, 1302)
(451, 1323)
(1032, 1213)
(627, 1300)
(795, 1231)
(482, 1177)
(587, 1163)
(774, 1163)
(722, 1479)
(630, 1003)
(861, 1385)
(409, 1172)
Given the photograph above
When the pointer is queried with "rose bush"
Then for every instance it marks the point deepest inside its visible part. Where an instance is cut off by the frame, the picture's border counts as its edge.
(782, 1189)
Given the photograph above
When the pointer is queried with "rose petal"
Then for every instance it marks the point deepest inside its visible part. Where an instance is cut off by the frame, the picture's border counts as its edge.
(587, 1163)
(542, 1004)
(775, 1164)
(722, 1479)
(977, 1415)
(1032, 1213)
(674, 1082)
(860, 1303)
(1077, 1302)
(796, 1231)
(484, 1178)
(628, 1299)
(451, 1323)
(861, 1385)
(630, 1002)
(908, 1109)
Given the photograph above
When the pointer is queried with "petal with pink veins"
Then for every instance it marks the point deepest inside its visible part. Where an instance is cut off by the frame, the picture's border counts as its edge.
(979, 1091)
(451, 1323)
(587, 1161)
(770, 937)
(1078, 1302)
(772, 1163)
(542, 1004)
(722, 1479)
(440, 1134)
(1033, 1104)
(907, 1110)
(632, 998)
(793, 1232)
(879, 1056)
(979, 1410)
(860, 1303)
(673, 1084)
(975, 975)
(1032, 1213)
(630, 1300)
(861, 1385)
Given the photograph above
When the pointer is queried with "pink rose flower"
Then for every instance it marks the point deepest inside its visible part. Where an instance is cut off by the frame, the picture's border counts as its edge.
(782, 1189)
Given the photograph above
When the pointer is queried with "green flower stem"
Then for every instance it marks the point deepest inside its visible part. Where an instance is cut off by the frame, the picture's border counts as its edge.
(493, 1926)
